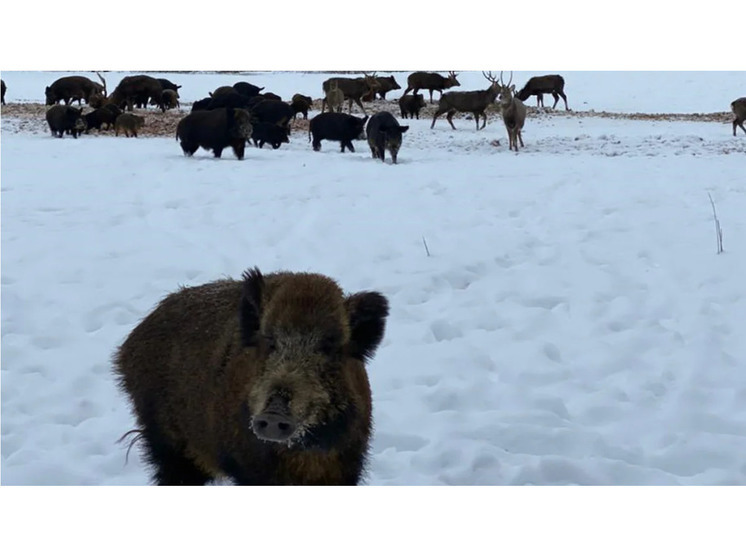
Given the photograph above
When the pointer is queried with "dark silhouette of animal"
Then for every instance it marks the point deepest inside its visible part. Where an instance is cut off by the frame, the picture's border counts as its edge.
(272, 134)
(223, 90)
(513, 112)
(3, 89)
(353, 89)
(71, 88)
(475, 102)
(65, 119)
(215, 130)
(167, 84)
(431, 81)
(140, 90)
(232, 100)
(201, 104)
(339, 127)
(128, 123)
(105, 115)
(739, 111)
(384, 133)
(272, 111)
(170, 99)
(410, 105)
(301, 104)
(261, 381)
(247, 89)
(539, 85)
(271, 96)
(386, 84)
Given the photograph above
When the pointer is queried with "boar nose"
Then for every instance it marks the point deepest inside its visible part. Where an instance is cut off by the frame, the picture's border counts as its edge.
(273, 427)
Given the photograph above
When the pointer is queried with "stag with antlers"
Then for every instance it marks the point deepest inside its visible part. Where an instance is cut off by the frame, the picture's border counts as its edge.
(474, 102)
(513, 112)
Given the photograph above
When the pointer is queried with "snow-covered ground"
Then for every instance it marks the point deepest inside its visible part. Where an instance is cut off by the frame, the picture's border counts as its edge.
(572, 323)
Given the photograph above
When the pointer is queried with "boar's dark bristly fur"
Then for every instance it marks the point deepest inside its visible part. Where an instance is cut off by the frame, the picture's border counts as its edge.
(64, 118)
(215, 130)
(384, 133)
(339, 127)
(262, 381)
(410, 105)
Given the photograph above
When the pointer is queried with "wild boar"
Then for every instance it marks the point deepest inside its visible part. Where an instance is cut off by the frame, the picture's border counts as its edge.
(339, 127)
(301, 104)
(215, 130)
(386, 84)
(272, 111)
(128, 123)
(247, 89)
(71, 88)
(140, 90)
(105, 115)
(272, 134)
(64, 118)
(170, 99)
(261, 381)
(3, 89)
(410, 105)
(384, 133)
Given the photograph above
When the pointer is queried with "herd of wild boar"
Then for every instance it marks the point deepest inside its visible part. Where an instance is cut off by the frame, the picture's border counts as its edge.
(262, 380)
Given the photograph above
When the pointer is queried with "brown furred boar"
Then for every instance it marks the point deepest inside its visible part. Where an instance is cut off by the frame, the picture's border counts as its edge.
(128, 123)
(262, 381)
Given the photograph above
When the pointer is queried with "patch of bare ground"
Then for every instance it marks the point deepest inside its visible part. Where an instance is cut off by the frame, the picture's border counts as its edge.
(30, 117)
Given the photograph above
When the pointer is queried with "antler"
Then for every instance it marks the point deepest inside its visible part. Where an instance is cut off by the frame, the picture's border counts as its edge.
(509, 81)
(489, 77)
(103, 82)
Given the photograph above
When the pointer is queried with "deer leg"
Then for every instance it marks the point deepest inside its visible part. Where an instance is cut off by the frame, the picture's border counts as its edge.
(564, 98)
(449, 116)
(739, 123)
(439, 112)
(360, 104)
(431, 95)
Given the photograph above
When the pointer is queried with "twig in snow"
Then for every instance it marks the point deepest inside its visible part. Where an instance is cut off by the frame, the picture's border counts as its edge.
(424, 242)
(718, 230)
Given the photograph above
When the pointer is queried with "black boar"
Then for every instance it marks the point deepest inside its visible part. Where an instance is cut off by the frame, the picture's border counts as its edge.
(105, 115)
(301, 104)
(339, 127)
(71, 88)
(64, 118)
(128, 123)
(272, 111)
(3, 89)
(410, 105)
(228, 100)
(272, 134)
(247, 89)
(215, 130)
(138, 89)
(261, 381)
(202, 104)
(166, 84)
(170, 99)
(385, 85)
(384, 133)
(223, 90)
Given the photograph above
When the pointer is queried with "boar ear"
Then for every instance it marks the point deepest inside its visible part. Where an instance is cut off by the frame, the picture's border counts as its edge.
(250, 308)
(367, 311)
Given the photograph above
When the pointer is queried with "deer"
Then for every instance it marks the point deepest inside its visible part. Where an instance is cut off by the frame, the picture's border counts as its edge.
(513, 112)
(739, 111)
(554, 84)
(474, 102)
(431, 81)
(354, 89)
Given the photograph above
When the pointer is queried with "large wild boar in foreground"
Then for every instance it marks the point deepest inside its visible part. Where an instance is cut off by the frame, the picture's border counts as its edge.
(72, 88)
(262, 381)
(215, 130)
(64, 118)
(339, 127)
(384, 133)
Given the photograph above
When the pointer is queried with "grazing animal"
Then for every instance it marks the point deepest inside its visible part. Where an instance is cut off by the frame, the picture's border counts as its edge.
(431, 81)
(232, 100)
(128, 123)
(739, 111)
(386, 84)
(247, 89)
(215, 130)
(272, 134)
(384, 133)
(301, 104)
(71, 88)
(64, 118)
(513, 112)
(272, 111)
(223, 90)
(105, 115)
(410, 105)
(353, 89)
(475, 102)
(261, 381)
(333, 99)
(170, 99)
(166, 84)
(339, 127)
(3, 89)
(539, 85)
(140, 90)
